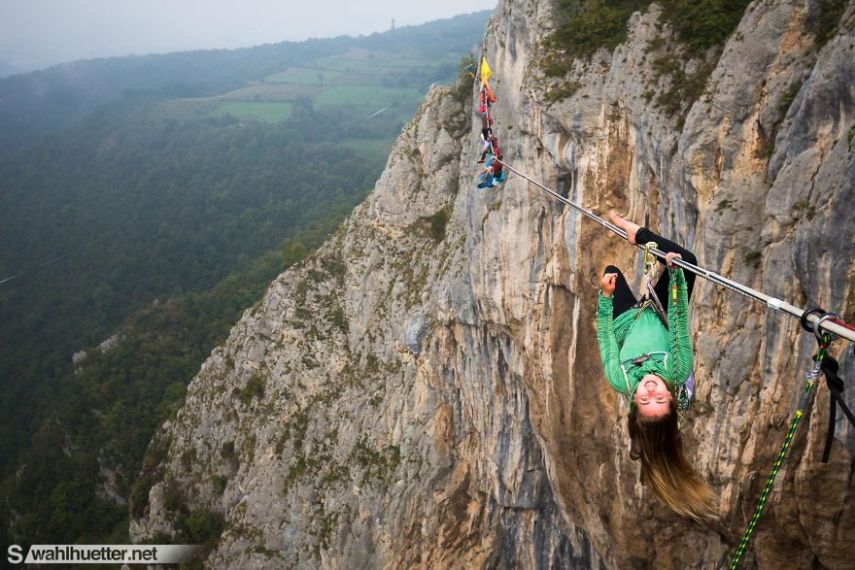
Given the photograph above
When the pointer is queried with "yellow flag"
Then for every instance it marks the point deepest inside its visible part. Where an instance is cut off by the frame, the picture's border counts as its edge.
(485, 70)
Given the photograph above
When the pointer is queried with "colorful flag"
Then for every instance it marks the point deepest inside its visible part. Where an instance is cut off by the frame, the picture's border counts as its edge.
(485, 70)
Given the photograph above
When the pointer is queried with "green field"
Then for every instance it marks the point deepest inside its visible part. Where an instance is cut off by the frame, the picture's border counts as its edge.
(378, 96)
(367, 61)
(357, 78)
(370, 148)
(271, 92)
(305, 76)
(337, 70)
(186, 109)
(266, 111)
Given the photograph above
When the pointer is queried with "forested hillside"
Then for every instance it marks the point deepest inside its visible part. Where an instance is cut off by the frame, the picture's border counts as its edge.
(150, 201)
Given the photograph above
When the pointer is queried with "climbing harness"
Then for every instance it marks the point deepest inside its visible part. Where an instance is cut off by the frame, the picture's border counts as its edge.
(824, 340)
(649, 298)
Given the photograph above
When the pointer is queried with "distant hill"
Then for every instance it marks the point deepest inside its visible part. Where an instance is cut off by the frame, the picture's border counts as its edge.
(48, 100)
(7, 69)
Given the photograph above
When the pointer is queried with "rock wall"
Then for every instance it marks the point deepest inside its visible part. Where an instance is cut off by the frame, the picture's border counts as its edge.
(426, 391)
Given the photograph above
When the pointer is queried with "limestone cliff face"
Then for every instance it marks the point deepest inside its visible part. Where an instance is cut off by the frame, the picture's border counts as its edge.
(426, 391)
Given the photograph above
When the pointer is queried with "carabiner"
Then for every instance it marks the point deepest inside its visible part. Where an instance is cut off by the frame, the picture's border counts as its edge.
(649, 260)
(827, 337)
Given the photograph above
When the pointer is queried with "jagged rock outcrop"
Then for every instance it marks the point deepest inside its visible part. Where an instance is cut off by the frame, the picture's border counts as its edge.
(425, 391)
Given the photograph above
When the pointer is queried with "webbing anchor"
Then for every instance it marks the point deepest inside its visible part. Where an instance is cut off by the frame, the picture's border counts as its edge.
(811, 376)
(829, 367)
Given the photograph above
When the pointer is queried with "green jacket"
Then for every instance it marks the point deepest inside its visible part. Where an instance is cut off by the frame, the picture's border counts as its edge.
(639, 332)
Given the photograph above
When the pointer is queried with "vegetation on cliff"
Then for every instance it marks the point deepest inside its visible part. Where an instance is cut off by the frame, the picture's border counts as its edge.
(700, 28)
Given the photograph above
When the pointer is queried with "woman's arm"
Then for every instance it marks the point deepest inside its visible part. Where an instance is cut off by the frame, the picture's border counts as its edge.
(678, 325)
(609, 350)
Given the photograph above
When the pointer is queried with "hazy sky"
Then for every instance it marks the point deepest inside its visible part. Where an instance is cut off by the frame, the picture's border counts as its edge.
(38, 33)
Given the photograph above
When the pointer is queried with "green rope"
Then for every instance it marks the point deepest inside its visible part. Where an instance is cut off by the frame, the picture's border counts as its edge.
(761, 504)
(782, 454)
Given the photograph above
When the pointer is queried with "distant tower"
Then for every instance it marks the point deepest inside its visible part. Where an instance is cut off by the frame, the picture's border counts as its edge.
(393, 24)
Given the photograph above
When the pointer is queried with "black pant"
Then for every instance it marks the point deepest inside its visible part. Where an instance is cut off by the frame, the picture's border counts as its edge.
(623, 298)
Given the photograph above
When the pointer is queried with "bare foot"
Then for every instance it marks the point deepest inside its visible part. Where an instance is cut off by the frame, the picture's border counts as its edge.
(630, 228)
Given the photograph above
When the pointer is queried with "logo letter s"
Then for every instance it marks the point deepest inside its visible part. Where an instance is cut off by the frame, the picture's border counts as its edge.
(16, 554)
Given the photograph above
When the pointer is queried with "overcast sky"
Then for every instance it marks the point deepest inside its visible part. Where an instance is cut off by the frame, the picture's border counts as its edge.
(39, 33)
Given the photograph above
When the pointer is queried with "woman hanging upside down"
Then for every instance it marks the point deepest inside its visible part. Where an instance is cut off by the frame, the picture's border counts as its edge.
(647, 356)
(493, 172)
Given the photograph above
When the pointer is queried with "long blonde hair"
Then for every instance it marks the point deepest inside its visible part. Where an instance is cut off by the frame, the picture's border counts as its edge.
(656, 441)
